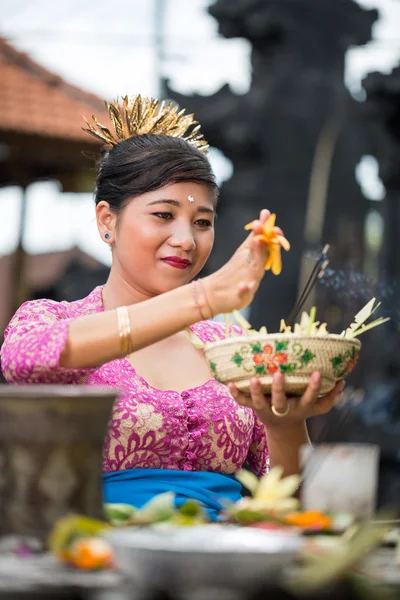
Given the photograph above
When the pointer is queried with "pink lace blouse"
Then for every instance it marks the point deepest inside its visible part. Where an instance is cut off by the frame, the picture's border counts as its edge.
(200, 429)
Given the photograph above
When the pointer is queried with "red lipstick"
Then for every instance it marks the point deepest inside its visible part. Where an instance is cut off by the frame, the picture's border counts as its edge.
(175, 261)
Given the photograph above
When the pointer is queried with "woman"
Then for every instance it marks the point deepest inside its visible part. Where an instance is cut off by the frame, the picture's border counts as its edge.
(174, 427)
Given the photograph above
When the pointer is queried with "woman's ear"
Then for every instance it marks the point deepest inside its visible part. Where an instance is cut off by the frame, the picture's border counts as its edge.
(106, 221)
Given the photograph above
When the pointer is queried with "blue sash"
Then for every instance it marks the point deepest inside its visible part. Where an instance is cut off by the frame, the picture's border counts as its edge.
(138, 486)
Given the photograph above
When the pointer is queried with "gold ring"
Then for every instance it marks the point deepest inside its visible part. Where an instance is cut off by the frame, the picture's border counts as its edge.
(280, 414)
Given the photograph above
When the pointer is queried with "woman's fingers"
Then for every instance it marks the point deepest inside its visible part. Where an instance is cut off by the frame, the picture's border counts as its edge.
(327, 402)
(278, 396)
(310, 396)
(239, 397)
(310, 404)
(259, 401)
(298, 409)
(264, 215)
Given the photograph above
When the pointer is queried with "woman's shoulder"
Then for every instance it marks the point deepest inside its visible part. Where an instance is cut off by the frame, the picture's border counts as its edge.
(47, 310)
(211, 331)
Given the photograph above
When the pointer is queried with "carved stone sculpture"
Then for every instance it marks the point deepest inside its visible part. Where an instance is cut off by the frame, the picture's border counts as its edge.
(51, 444)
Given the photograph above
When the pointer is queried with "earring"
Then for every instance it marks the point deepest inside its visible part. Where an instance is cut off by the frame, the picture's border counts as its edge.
(107, 236)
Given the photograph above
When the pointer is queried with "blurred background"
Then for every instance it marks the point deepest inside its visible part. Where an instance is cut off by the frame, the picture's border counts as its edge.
(300, 100)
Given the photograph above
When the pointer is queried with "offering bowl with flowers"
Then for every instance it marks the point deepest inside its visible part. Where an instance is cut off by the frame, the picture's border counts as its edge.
(297, 357)
(296, 354)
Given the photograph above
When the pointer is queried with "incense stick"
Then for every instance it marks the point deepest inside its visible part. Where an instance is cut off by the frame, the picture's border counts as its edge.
(317, 273)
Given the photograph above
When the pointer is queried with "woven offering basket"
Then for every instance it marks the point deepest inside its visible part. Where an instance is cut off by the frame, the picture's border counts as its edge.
(238, 359)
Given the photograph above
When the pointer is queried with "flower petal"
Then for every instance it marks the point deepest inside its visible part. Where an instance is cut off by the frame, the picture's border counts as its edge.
(289, 485)
(284, 242)
(276, 260)
(262, 237)
(249, 226)
(269, 481)
(248, 480)
(269, 223)
(268, 263)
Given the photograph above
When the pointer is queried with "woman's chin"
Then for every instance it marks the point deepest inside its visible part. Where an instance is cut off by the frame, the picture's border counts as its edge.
(171, 283)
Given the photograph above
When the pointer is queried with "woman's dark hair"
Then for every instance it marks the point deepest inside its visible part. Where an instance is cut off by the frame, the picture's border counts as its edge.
(146, 163)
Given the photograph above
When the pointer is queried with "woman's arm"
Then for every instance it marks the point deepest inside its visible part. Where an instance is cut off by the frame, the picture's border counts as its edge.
(94, 340)
(277, 446)
(286, 433)
(42, 345)
(284, 444)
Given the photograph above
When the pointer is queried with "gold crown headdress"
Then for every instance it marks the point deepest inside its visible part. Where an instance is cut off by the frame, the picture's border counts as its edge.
(140, 116)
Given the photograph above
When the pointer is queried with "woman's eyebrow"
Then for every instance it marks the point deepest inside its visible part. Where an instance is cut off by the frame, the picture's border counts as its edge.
(172, 202)
(165, 201)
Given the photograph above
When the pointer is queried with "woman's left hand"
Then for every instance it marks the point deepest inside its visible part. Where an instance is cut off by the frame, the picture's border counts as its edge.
(277, 409)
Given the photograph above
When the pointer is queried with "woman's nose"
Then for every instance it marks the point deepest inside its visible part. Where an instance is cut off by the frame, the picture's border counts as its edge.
(183, 237)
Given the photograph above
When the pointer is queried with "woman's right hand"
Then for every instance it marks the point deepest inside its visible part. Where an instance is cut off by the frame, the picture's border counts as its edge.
(233, 286)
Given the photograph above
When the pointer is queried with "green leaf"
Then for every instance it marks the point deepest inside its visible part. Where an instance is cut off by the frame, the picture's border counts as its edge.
(260, 369)
(366, 312)
(281, 346)
(358, 327)
(246, 517)
(337, 361)
(365, 328)
(256, 348)
(307, 356)
(190, 509)
(327, 568)
(119, 514)
(159, 508)
(237, 359)
(213, 367)
(287, 368)
(313, 313)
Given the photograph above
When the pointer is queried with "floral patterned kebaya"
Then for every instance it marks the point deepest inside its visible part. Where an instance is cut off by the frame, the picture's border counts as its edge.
(199, 429)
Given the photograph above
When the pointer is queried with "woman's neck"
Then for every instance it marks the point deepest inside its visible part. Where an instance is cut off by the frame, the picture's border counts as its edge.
(118, 292)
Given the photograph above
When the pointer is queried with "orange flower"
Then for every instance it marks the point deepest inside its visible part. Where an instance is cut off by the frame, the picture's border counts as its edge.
(258, 359)
(312, 519)
(271, 360)
(281, 358)
(274, 240)
(91, 553)
(268, 349)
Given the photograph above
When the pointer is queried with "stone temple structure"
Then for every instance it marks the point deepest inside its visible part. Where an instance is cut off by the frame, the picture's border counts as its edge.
(297, 107)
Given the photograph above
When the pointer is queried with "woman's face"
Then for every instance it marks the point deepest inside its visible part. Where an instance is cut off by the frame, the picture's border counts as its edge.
(162, 239)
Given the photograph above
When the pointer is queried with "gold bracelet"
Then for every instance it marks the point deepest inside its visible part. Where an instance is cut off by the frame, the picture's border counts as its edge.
(196, 299)
(124, 328)
(203, 287)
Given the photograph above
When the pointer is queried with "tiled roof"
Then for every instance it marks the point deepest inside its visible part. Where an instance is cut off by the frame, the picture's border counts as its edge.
(36, 101)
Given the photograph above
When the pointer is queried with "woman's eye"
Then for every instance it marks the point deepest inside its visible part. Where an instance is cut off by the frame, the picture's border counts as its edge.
(204, 223)
(163, 215)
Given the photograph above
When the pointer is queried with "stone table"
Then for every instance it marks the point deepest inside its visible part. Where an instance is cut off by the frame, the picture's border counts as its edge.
(42, 577)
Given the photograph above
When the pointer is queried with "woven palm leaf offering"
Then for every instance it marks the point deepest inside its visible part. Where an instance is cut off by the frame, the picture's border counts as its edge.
(296, 351)
(272, 505)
